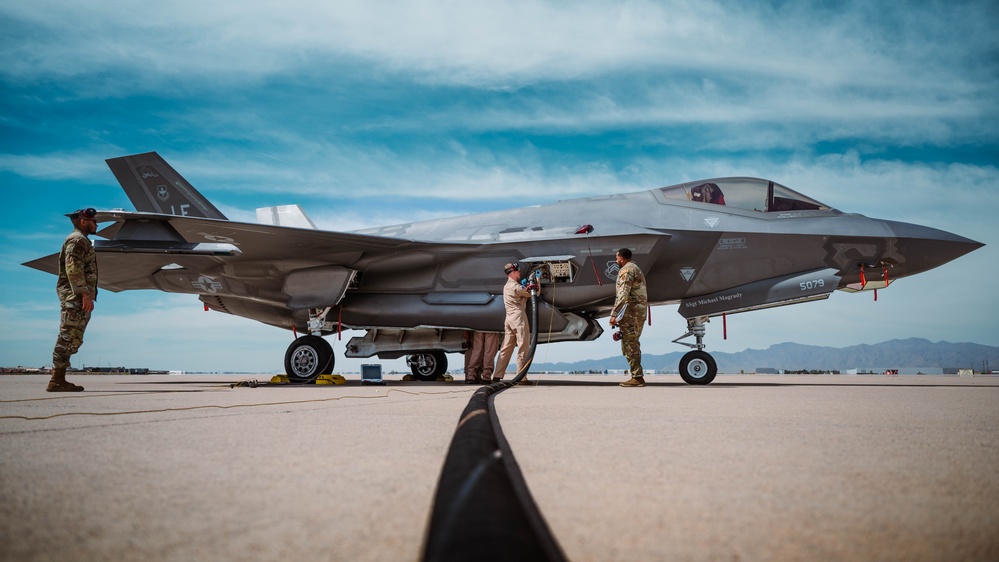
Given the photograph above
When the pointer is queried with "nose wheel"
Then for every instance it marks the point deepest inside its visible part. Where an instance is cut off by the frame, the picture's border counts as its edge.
(696, 367)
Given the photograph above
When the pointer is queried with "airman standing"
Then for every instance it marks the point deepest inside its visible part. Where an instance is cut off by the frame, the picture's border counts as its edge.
(480, 357)
(629, 312)
(77, 290)
(516, 330)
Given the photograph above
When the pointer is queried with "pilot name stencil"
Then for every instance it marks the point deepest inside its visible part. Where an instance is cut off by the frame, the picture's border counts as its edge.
(712, 300)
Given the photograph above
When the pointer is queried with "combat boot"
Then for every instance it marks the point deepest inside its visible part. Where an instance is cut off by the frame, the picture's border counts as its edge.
(58, 383)
(634, 381)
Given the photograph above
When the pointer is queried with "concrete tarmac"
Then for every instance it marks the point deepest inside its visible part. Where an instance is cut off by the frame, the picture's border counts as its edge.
(751, 467)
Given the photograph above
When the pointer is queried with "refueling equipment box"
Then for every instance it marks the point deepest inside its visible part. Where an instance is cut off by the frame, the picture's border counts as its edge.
(553, 269)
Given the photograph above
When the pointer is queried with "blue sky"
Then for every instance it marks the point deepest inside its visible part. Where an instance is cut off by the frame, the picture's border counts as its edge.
(383, 112)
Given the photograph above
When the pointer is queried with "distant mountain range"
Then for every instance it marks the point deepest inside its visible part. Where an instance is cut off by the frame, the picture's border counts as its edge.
(911, 353)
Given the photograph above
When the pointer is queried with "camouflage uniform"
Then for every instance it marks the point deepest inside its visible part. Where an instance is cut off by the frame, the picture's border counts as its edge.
(631, 293)
(77, 275)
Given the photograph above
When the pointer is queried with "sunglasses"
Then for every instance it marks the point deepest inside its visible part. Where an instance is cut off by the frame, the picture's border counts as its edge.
(88, 213)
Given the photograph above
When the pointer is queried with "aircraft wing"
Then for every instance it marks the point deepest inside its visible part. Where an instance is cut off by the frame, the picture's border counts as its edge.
(172, 253)
(143, 231)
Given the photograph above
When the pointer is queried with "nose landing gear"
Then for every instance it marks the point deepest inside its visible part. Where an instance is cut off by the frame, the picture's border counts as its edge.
(696, 367)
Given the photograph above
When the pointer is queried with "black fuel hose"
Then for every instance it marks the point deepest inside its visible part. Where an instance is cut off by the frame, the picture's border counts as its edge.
(483, 509)
(522, 372)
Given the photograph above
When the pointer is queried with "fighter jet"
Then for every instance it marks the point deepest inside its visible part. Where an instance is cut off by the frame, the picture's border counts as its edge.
(714, 247)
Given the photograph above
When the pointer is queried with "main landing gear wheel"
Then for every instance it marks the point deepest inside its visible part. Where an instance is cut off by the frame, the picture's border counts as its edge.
(428, 366)
(307, 358)
(698, 367)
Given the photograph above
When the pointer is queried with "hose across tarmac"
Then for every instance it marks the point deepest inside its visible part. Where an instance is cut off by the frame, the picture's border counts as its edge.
(483, 510)
(522, 372)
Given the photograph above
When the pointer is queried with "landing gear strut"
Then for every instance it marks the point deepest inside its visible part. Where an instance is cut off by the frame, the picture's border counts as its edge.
(696, 367)
(310, 356)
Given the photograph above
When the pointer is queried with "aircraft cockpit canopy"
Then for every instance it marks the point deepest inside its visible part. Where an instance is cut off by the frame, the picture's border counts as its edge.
(752, 194)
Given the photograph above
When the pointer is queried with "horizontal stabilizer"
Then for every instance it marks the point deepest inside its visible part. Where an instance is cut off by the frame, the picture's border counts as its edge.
(48, 264)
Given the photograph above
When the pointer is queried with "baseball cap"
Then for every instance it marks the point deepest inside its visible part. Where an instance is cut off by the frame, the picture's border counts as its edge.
(510, 267)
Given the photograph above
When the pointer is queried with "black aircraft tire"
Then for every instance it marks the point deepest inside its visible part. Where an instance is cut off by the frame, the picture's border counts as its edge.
(435, 365)
(698, 367)
(307, 358)
(441, 359)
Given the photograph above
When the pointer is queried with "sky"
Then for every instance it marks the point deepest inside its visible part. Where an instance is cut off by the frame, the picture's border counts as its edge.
(383, 112)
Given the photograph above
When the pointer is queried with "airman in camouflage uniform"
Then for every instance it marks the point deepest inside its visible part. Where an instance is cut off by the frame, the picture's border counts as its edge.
(77, 289)
(629, 313)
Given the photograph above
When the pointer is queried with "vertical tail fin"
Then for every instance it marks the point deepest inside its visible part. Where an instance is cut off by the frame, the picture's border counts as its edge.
(285, 215)
(154, 186)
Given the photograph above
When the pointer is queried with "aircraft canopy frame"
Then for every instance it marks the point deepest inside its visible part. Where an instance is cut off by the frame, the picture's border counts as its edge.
(751, 194)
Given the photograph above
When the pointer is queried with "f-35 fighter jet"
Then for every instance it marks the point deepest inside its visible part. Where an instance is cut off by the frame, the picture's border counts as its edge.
(714, 247)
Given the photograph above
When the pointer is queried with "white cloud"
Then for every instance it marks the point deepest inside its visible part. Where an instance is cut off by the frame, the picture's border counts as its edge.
(54, 166)
(506, 44)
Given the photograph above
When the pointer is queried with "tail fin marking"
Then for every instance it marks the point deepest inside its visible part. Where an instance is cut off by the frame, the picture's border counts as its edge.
(154, 186)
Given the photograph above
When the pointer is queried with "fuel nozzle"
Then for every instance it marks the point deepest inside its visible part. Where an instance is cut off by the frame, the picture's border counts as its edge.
(532, 282)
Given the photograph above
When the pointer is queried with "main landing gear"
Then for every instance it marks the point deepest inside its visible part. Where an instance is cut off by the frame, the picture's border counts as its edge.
(427, 366)
(696, 367)
(310, 356)
(307, 358)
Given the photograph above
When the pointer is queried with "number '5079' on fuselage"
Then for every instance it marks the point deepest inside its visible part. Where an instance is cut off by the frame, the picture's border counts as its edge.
(713, 247)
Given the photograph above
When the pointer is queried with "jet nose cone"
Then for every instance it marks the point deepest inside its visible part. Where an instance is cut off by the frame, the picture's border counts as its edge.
(922, 248)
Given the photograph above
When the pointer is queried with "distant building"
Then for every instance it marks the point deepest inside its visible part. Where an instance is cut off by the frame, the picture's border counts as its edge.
(900, 371)
(870, 371)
